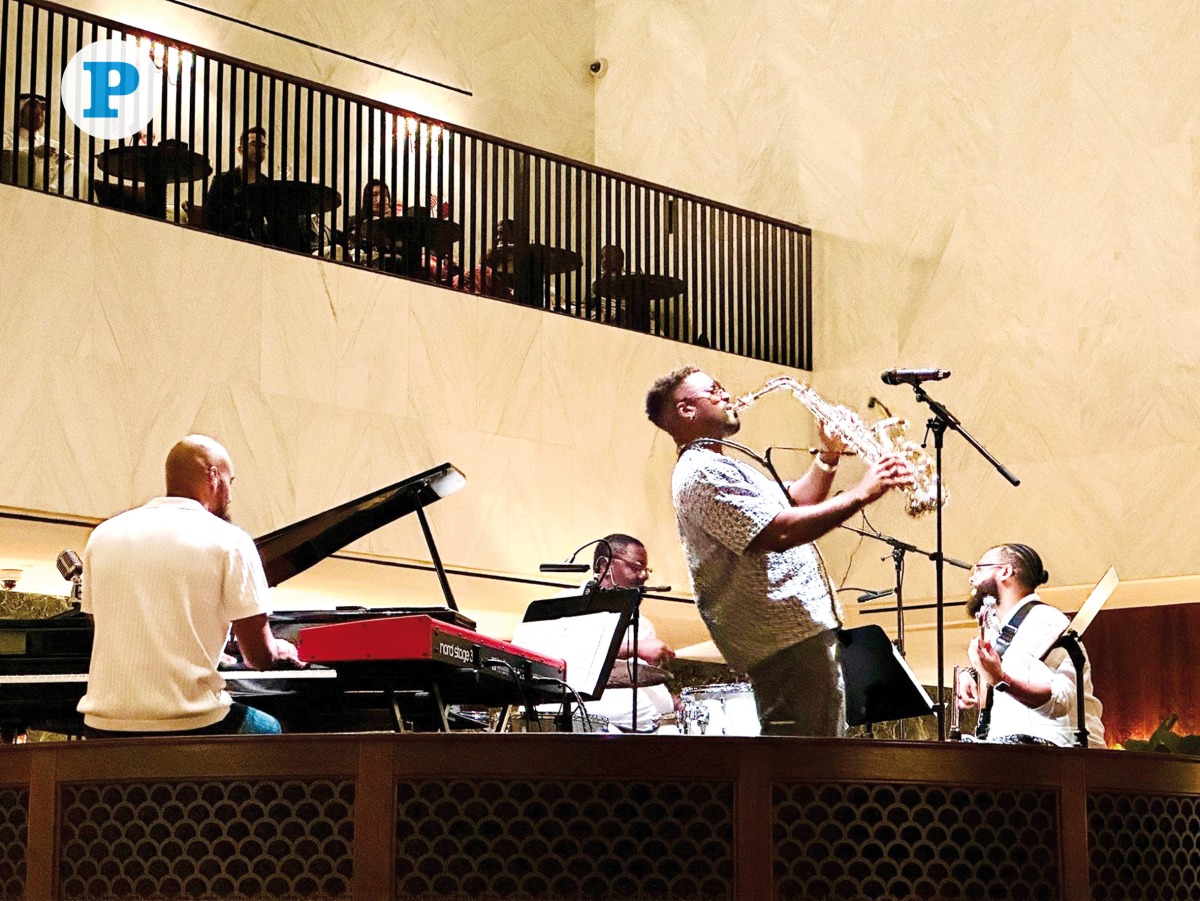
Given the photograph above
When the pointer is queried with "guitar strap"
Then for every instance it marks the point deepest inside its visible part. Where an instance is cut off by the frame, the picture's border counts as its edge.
(1003, 641)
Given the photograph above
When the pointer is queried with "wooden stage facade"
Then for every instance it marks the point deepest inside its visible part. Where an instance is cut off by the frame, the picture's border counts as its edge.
(537, 816)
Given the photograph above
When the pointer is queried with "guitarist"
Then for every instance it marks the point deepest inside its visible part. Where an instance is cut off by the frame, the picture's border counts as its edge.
(1033, 698)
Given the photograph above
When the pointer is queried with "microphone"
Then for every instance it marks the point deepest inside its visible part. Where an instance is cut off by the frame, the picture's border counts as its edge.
(69, 565)
(656, 588)
(913, 376)
(569, 565)
(563, 568)
(875, 595)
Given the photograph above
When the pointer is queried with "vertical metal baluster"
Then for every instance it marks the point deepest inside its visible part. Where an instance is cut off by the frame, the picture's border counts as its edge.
(397, 138)
(473, 232)
(454, 189)
(346, 107)
(404, 140)
(806, 284)
(33, 61)
(370, 160)
(4, 4)
(92, 139)
(49, 84)
(356, 155)
(191, 132)
(329, 219)
(76, 131)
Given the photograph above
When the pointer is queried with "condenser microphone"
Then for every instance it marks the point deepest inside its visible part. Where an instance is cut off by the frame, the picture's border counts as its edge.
(563, 567)
(69, 565)
(875, 595)
(913, 376)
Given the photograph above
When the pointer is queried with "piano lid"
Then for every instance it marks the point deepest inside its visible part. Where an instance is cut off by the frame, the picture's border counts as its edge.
(292, 549)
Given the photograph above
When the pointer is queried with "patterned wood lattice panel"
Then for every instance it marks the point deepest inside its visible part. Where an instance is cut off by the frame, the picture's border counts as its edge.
(261, 839)
(1144, 847)
(541, 840)
(912, 841)
(14, 839)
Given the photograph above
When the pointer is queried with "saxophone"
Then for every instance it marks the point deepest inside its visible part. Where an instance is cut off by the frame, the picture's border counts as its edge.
(868, 442)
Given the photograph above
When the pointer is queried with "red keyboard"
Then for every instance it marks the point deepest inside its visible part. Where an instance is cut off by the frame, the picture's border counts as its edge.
(388, 644)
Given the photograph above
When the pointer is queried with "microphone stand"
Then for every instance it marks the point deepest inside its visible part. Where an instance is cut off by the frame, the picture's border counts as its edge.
(941, 420)
(899, 549)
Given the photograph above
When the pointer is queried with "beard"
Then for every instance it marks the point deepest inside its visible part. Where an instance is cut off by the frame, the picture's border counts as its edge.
(978, 593)
(733, 424)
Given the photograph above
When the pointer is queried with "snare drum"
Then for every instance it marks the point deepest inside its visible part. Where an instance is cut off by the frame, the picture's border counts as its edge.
(727, 709)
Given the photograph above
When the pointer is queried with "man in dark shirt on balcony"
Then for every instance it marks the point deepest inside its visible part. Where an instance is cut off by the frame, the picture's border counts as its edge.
(232, 207)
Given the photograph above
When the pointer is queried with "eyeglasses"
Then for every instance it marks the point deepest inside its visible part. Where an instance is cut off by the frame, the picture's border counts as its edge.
(979, 566)
(638, 568)
(714, 393)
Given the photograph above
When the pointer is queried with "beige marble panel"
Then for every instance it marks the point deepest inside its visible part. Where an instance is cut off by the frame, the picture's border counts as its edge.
(523, 64)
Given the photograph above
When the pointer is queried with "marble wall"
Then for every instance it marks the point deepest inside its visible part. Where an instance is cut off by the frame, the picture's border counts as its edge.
(326, 382)
(521, 63)
(1006, 191)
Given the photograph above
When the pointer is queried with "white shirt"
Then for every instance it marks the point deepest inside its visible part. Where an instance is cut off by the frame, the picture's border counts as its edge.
(164, 582)
(616, 704)
(755, 604)
(1054, 720)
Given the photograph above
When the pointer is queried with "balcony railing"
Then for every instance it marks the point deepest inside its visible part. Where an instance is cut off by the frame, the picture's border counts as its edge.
(351, 180)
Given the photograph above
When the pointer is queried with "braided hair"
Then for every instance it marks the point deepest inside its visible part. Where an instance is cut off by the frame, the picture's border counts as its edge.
(1026, 564)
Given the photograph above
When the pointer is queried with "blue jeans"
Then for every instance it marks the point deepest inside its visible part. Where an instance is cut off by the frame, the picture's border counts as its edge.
(241, 720)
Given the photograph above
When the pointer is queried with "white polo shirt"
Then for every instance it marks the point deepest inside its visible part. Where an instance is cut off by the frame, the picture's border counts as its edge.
(164, 582)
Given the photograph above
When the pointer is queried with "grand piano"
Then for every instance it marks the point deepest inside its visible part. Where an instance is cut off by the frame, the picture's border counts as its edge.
(373, 668)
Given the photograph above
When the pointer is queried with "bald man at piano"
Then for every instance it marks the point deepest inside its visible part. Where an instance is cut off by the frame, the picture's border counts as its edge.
(165, 583)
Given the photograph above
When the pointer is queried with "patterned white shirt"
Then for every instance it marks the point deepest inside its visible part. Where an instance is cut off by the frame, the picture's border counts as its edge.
(755, 604)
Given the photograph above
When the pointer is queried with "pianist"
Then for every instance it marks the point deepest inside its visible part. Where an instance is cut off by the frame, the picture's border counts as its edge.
(164, 583)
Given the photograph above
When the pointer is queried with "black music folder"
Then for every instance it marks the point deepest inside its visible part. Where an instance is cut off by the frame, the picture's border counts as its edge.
(585, 630)
(880, 687)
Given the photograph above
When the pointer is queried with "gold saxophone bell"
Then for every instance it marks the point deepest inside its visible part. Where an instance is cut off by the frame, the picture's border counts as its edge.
(871, 443)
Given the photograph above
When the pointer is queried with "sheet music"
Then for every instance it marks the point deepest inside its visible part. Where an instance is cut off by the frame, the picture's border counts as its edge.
(582, 641)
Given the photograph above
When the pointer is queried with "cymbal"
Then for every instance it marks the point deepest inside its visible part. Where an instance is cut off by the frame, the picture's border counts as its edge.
(705, 652)
(551, 260)
(296, 196)
(170, 161)
(439, 235)
(620, 677)
(644, 286)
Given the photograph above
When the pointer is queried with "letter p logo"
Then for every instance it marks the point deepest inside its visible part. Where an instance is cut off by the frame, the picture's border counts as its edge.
(105, 86)
(111, 90)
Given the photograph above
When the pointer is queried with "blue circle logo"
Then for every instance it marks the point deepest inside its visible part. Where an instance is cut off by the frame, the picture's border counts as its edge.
(111, 89)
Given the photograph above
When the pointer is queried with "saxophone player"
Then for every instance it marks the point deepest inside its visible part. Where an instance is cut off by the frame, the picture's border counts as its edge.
(756, 575)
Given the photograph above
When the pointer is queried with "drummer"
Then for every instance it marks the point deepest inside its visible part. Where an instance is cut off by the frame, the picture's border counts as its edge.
(620, 562)
(230, 208)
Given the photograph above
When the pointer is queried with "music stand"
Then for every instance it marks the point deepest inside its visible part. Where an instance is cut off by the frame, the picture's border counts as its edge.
(586, 631)
(879, 685)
